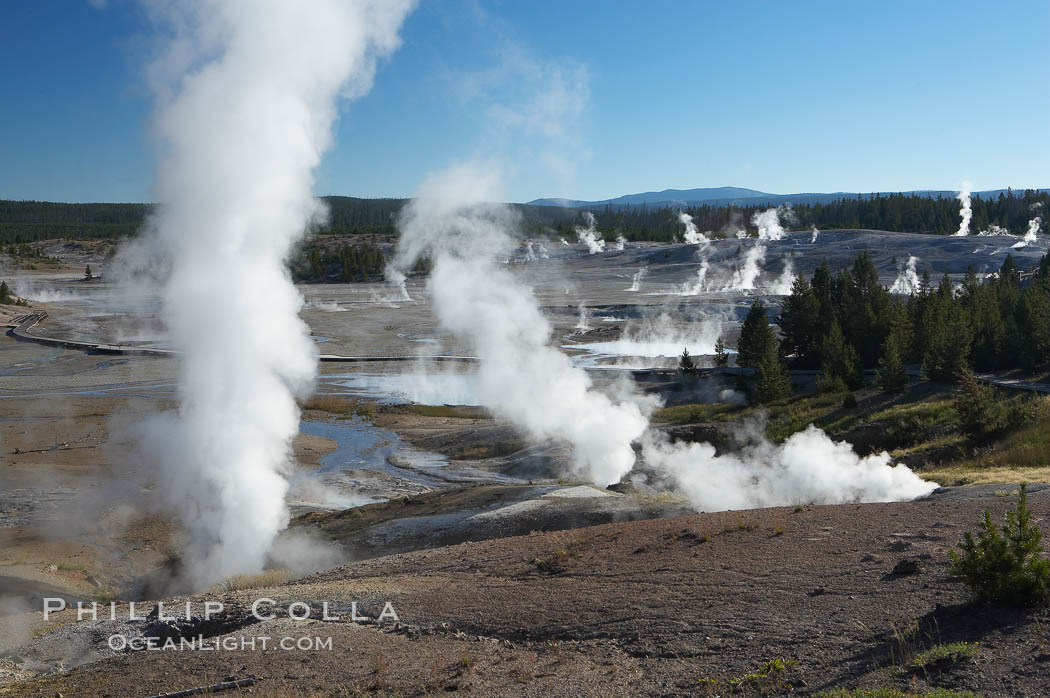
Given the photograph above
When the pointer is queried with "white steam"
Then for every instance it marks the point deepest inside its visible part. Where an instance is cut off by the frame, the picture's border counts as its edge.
(397, 278)
(965, 210)
(768, 222)
(529, 255)
(993, 230)
(814, 234)
(1032, 234)
(521, 375)
(583, 321)
(698, 284)
(782, 286)
(621, 243)
(807, 468)
(907, 281)
(589, 235)
(743, 278)
(693, 236)
(664, 336)
(246, 99)
(636, 280)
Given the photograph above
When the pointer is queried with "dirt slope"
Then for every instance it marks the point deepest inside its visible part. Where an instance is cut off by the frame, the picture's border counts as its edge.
(662, 607)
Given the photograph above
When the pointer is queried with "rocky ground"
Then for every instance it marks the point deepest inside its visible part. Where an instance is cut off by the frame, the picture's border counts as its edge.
(744, 603)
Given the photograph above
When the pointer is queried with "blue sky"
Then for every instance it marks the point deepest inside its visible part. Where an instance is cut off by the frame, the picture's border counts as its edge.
(619, 97)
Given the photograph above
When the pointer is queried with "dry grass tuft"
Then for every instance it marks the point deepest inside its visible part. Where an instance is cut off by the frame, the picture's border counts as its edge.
(268, 578)
(339, 405)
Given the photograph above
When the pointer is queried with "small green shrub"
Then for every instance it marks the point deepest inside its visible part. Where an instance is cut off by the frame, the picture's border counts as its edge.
(945, 654)
(1006, 566)
(982, 414)
(831, 384)
(769, 678)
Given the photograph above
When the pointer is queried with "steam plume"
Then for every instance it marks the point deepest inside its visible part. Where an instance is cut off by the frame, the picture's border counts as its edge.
(743, 278)
(693, 236)
(665, 336)
(815, 233)
(907, 281)
(521, 375)
(582, 324)
(1033, 229)
(246, 98)
(621, 242)
(965, 210)
(589, 235)
(636, 280)
(993, 229)
(398, 279)
(768, 222)
(699, 284)
(1032, 234)
(530, 255)
(807, 468)
(782, 286)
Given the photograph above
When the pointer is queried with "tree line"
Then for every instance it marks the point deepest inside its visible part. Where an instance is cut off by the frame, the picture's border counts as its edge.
(342, 263)
(29, 221)
(33, 221)
(846, 322)
(903, 213)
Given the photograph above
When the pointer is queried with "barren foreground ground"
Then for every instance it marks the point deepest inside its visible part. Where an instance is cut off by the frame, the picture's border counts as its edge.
(690, 605)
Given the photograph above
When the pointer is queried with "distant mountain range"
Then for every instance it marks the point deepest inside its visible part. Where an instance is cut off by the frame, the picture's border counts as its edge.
(729, 196)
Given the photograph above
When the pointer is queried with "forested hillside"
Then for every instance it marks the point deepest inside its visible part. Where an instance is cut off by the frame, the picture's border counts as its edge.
(31, 221)
(897, 212)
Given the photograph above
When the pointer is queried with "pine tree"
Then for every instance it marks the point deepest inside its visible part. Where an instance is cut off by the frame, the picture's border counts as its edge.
(865, 279)
(892, 377)
(755, 336)
(822, 290)
(800, 322)
(1007, 565)
(774, 380)
(841, 363)
(5, 294)
(1044, 267)
(948, 352)
(686, 366)
(925, 283)
(87, 273)
(721, 355)
(1008, 274)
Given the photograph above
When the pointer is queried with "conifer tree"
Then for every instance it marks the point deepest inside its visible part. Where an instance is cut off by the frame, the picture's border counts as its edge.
(892, 377)
(755, 336)
(841, 363)
(800, 322)
(686, 366)
(721, 355)
(774, 380)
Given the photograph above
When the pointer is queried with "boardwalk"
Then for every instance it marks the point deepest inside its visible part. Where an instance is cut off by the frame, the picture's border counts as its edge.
(26, 322)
